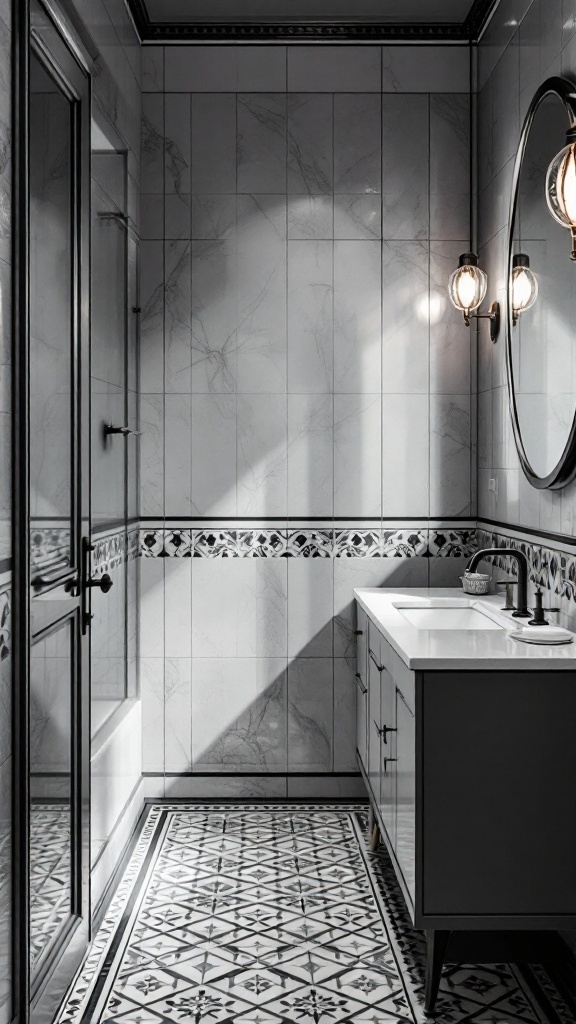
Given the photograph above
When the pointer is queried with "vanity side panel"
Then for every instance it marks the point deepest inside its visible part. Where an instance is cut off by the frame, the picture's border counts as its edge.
(498, 776)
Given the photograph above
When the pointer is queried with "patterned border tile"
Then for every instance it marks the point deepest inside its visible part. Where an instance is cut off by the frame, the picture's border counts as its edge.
(158, 542)
(549, 569)
(48, 544)
(5, 623)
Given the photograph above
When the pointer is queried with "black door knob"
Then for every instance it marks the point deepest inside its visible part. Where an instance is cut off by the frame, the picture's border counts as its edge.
(105, 583)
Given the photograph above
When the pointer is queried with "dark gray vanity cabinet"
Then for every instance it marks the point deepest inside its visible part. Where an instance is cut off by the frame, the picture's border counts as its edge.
(472, 781)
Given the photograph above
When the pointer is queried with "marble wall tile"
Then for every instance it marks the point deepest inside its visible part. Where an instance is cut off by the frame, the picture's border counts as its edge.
(310, 715)
(213, 455)
(5, 675)
(261, 143)
(262, 455)
(178, 715)
(310, 217)
(213, 216)
(239, 608)
(261, 314)
(310, 316)
(357, 316)
(357, 144)
(421, 69)
(358, 217)
(152, 162)
(310, 143)
(450, 166)
(310, 447)
(261, 68)
(334, 68)
(153, 713)
(199, 69)
(326, 787)
(177, 217)
(178, 607)
(405, 167)
(405, 441)
(152, 455)
(357, 455)
(239, 714)
(153, 69)
(344, 717)
(310, 604)
(450, 339)
(152, 217)
(152, 633)
(450, 463)
(177, 143)
(405, 327)
(242, 787)
(152, 316)
(213, 144)
(177, 314)
(214, 323)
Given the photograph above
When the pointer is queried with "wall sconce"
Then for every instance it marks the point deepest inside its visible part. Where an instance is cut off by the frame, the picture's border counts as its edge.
(467, 290)
(524, 286)
(561, 187)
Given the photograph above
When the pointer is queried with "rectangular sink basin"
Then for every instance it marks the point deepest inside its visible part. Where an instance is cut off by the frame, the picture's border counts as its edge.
(444, 616)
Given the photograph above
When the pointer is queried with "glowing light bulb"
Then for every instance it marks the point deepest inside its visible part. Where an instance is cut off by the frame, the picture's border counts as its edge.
(561, 187)
(524, 285)
(468, 284)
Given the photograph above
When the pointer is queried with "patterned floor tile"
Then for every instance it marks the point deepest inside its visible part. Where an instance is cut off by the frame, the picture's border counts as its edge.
(271, 915)
(49, 874)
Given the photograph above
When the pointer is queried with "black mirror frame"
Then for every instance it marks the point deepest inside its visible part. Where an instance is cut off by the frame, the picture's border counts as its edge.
(565, 469)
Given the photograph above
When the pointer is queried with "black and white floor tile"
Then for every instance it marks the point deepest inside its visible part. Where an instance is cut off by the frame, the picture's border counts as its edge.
(49, 874)
(270, 914)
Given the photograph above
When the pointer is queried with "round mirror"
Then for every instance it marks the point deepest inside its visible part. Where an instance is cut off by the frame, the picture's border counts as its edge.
(541, 349)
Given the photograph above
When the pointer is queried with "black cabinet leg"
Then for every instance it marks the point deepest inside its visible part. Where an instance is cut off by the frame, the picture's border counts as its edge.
(436, 943)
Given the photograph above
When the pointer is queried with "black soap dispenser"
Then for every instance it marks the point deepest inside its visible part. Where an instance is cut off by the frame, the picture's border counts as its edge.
(538, 610)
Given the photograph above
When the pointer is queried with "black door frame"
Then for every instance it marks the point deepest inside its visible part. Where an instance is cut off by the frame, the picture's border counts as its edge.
(67, 953)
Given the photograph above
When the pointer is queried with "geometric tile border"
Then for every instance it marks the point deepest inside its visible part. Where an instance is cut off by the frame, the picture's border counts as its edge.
(550, 569)
(306, 543)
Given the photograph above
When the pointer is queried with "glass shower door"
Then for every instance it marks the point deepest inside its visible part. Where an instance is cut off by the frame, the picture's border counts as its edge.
(58, 700)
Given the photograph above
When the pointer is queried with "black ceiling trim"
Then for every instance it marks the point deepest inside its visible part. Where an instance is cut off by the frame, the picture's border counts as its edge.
(174, 32)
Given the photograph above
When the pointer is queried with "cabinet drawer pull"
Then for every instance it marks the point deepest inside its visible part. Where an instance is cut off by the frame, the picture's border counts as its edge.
(363, 689)
(379, 667)
(404, 701)
(384, 730)
(358, 632)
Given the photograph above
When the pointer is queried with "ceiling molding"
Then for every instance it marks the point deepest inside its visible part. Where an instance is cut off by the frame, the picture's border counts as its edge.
(205, 32)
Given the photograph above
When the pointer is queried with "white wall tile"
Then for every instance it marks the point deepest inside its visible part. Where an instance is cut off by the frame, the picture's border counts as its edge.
(405, 327)
(262, 455)
(450, 464)
(178, 607)
(178, 714)
(310, 316)
(213, 455)
(450, 339)
(357, 465)
(310, 607)
(357, 144)
(345, 717)
(310, 143)
(405, 167)
(261, 68)
(153, 710)
(239, 714)
(262, 143)
(357, 316)
(405, 441)
(310, 454)
(213, 358)
(152, 455)
(425, 68)
(213, 143)
(152, 69)
(310, 714)
(334, 68)
(201, 68)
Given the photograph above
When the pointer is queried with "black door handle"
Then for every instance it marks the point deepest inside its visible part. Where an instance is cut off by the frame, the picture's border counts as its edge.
(105, 583)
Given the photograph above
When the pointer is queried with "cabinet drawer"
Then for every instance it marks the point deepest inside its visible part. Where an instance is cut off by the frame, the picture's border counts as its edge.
(403, 678)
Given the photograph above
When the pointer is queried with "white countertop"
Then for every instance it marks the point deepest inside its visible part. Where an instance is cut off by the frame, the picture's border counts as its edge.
(458, 648)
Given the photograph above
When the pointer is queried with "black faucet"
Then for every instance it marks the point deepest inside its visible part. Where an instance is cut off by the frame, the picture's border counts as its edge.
(522, 562)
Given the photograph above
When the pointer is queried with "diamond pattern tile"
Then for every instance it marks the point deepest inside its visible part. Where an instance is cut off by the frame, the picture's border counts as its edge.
(271, 914)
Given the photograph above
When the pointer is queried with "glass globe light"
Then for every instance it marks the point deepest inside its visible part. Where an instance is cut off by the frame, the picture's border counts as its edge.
(468, 284)
(524, 285)
(561, 187)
